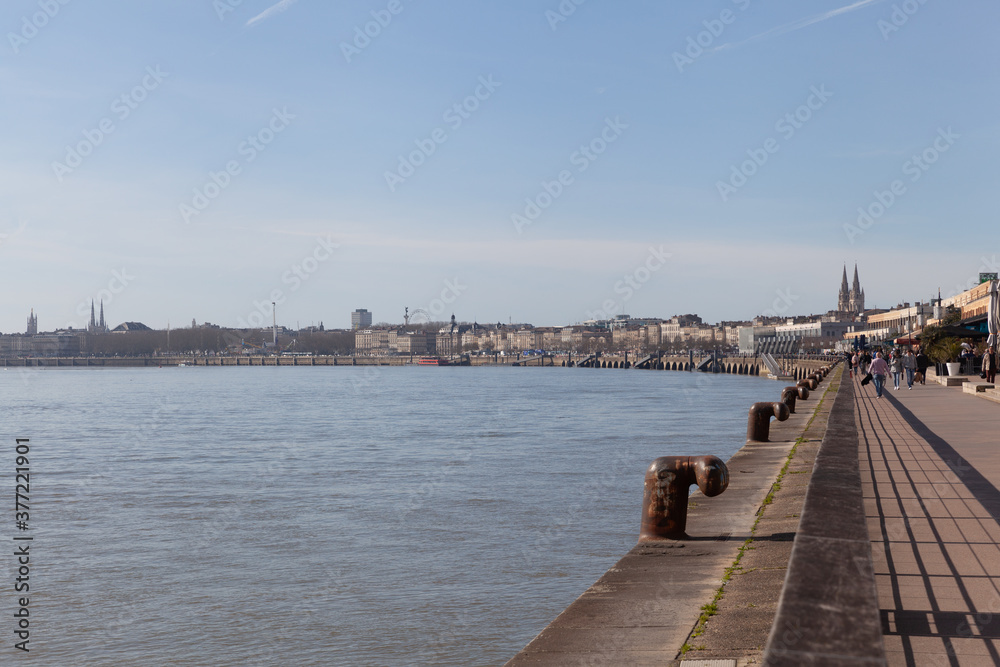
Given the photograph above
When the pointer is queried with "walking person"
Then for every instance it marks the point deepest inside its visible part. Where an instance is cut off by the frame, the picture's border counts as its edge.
(879, 370)
(990, 364)
(896, 365)
(922, 363)
(910, 366)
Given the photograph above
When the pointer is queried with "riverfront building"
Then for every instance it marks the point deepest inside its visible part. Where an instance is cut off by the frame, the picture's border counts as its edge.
(449, 338)
(361, 319)
(33, 344)
(57, 344)
(415, 342)
(690, 331)
(907, 320)
(794, 334)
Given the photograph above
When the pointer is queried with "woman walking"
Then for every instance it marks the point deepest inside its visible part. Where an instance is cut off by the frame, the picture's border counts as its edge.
(896, 365)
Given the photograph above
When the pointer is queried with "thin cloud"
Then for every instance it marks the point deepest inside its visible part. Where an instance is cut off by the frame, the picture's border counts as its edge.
(270, 11)
(797, 25)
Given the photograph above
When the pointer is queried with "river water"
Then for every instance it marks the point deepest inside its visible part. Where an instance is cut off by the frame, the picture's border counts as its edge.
(332, 516)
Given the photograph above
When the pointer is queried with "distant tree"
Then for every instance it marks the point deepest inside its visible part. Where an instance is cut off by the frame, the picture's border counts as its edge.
(952, 316)
(326, 342)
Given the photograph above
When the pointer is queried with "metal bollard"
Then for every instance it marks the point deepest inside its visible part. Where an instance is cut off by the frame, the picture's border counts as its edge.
(665, 493)
(759, 422)
(788, 396)
(808, 382)
(817, 376)
(803, 390)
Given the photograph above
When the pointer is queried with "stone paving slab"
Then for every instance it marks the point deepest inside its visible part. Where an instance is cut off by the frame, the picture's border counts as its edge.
(931, 474)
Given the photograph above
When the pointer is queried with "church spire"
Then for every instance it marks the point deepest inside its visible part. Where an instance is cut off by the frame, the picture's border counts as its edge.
(93, 318)
(844, 297)
(851, 299)
(102, 326)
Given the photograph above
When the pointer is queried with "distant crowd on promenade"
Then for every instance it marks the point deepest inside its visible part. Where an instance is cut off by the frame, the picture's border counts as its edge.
(911, 365)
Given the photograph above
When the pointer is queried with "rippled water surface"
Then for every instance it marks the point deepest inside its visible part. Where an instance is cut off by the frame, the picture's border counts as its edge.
(334, 516)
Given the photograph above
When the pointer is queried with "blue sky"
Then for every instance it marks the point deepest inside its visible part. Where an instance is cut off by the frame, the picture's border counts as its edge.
(603, 157)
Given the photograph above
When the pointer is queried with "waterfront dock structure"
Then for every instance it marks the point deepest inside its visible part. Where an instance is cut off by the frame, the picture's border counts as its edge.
(894, 509)
(645, 608)
(797, 367)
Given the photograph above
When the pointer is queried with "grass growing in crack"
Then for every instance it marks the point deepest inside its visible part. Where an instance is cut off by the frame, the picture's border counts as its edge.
(712, 608)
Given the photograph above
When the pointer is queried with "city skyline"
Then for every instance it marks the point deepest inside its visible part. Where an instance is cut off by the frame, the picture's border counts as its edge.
(850, 304)
(527, 161)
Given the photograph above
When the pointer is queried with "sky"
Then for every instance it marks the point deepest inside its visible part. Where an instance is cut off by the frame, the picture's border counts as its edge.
(545, 162)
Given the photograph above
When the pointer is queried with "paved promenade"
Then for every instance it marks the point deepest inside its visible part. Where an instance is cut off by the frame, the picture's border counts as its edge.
(930, 467)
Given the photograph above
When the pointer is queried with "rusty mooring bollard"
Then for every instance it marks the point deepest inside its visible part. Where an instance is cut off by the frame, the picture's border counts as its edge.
(803, 391)
(788, 396)
(817, 376)
(665, 493)
(759, 422)
(808, 382)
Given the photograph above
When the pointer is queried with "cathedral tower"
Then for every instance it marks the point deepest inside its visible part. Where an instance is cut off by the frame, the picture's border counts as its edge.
(851, 299)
